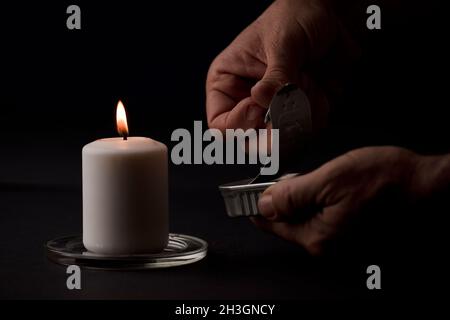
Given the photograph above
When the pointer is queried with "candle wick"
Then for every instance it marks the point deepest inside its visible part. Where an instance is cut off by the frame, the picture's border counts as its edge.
(125, 137)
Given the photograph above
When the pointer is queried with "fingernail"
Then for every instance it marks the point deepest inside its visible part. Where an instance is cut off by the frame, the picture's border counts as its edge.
(254, 112)
(265, 206)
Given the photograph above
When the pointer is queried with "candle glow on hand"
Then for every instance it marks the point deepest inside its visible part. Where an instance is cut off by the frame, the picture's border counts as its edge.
(121, 118)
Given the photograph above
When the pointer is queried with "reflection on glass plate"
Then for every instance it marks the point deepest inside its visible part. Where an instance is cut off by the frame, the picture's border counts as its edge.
(181, 250)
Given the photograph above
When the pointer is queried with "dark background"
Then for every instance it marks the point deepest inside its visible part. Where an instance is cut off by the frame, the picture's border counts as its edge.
(59, 90)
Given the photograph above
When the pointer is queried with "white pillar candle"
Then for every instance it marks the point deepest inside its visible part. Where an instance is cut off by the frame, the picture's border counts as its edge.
(125, 196)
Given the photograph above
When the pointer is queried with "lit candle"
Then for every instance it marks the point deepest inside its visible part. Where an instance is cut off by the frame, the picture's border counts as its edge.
(125, 193)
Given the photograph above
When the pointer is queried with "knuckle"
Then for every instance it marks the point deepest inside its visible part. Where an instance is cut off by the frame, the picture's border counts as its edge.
(314, 245)
(219, 122)
(213, 68)
(276, 75)
(282, 198)
(320, 233)
(212, 123)
(216, 69)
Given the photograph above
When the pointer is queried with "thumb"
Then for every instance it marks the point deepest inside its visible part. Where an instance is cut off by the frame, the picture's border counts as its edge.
(263, 91)
(290, 199)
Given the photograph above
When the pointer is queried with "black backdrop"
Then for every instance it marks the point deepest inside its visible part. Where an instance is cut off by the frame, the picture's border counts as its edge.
(62, 86)
(153, 55)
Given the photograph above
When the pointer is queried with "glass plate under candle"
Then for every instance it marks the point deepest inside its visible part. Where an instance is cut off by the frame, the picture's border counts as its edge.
(181, 250)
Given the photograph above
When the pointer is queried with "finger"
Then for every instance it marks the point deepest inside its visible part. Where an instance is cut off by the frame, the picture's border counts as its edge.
(284, 59)
(282, 229)
(264, 90)
(229, 81)
(245, 114)
(293, 198)
(302, 234)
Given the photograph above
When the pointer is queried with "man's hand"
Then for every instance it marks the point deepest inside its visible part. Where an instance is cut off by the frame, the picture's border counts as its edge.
(275, 49)
(313, 208)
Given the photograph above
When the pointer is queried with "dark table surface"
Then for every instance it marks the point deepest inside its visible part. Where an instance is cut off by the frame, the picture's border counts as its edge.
(40, 199)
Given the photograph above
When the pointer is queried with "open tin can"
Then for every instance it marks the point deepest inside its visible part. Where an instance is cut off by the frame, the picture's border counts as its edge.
(290, 113)
(241, 197)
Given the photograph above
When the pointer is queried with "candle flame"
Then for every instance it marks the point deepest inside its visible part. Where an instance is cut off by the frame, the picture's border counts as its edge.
(121, 118)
